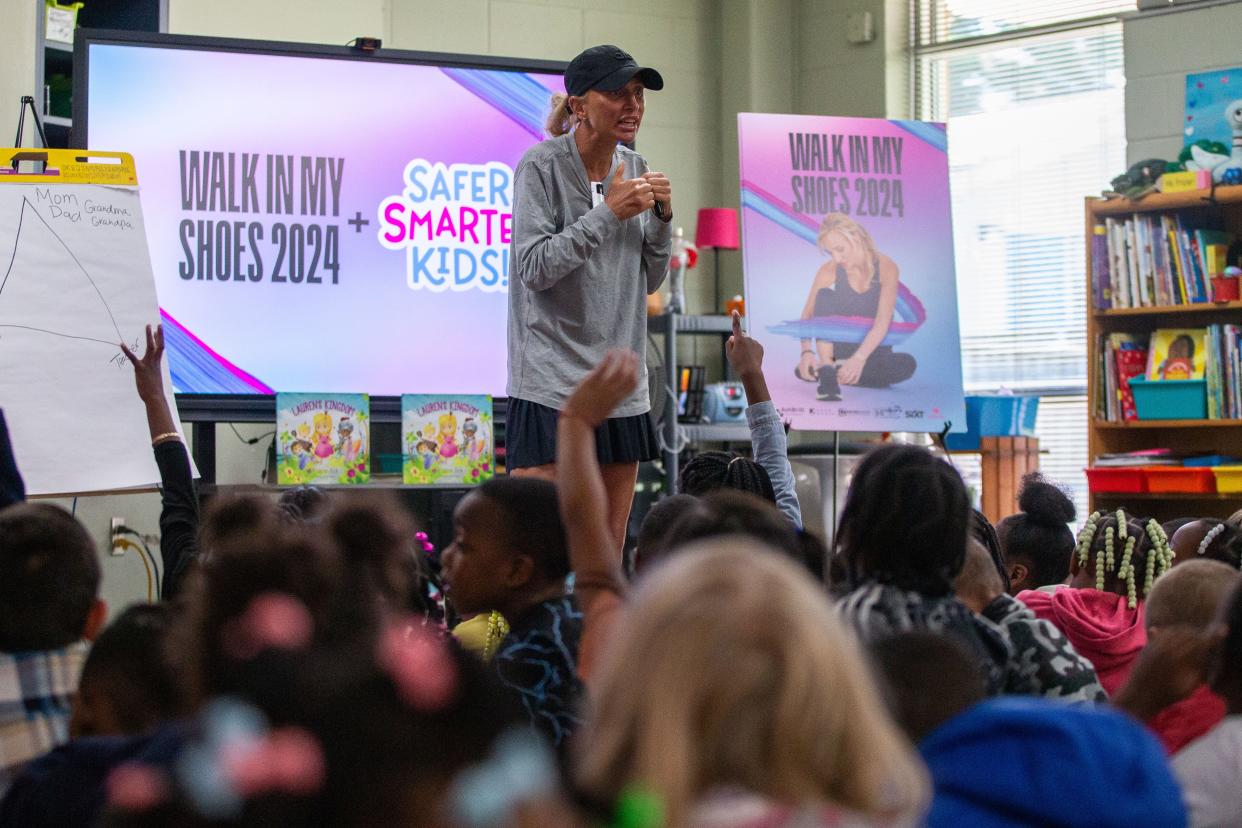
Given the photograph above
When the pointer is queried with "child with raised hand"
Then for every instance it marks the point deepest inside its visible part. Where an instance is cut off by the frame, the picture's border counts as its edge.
(1116, 562)
(179, 516)
(509, 554)
(599, 583)
(769, 475)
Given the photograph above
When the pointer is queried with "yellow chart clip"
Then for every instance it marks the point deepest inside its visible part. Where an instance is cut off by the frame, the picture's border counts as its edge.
(66, 166)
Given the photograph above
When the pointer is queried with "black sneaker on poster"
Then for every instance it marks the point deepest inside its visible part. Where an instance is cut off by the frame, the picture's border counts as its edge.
(829, 389)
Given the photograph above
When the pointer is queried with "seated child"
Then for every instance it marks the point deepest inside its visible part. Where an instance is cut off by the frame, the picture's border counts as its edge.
(509, 554)
(900, 543)
(733, 696)
(1014, 761)
(1036, 543)
(1209, 767)
(49, 603)
(1118, 559)
(727, 512)
(1044, 663)
(1207, 539)
(129, 683)
(1188, 598)
(929, 679)
(769, 475)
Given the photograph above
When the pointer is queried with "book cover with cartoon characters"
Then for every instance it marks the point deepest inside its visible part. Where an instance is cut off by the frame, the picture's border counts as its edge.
(448, 439)
(1177, 354)
(323, 438)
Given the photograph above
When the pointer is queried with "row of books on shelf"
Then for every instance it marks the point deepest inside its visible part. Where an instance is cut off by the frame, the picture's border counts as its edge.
(447, 440)
(1131, 366)
(1156, 260)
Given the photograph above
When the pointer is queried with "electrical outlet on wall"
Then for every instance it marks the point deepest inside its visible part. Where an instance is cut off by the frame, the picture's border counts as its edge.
(114, 532)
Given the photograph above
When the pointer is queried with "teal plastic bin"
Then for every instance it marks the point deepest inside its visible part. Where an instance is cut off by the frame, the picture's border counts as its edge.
(995, 415)
(1169, 399)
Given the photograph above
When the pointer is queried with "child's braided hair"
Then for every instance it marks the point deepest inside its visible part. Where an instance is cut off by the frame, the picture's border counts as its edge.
(1123, 545)
(711, 470)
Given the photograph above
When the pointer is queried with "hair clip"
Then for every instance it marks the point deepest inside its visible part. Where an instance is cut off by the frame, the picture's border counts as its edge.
(136, 787)
(272, 620)
(1211, 535)
(287, 760)
(420, 666)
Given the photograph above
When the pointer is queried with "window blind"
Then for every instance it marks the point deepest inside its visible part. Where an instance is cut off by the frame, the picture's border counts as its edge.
(1033, 95)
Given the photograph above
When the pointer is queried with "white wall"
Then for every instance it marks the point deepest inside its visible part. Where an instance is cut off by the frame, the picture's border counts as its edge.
(17, 66)
(1160, 50)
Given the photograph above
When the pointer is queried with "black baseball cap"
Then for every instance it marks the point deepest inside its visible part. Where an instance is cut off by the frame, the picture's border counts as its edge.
(607, 68)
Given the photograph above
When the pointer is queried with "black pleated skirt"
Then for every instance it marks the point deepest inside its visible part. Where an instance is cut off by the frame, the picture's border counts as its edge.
(530, 437)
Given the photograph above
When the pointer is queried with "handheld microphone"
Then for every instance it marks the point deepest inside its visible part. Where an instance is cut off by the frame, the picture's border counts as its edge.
(658, 209)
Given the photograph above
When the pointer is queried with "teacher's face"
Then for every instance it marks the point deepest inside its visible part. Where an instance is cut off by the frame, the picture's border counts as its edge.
(618, 113)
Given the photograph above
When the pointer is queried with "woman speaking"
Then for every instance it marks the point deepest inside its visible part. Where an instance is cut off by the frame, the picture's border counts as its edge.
(591, 239)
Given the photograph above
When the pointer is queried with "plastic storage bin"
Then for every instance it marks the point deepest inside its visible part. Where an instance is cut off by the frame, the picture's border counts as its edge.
(1169, 399)
(1228, 479)
(994, 415)
(1117, 479)
(1180, 480)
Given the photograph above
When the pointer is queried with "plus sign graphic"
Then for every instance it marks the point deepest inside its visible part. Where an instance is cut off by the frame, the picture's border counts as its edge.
(358, 222)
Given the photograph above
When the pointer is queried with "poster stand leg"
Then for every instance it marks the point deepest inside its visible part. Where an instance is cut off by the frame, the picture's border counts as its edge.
(836, 471)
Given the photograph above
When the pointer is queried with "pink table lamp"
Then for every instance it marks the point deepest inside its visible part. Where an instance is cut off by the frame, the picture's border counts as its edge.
(717, 229)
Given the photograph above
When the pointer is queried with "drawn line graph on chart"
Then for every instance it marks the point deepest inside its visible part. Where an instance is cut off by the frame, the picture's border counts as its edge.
(37, 291)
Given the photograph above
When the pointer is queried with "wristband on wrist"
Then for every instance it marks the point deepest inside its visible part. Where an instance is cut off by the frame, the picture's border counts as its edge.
(165, 437)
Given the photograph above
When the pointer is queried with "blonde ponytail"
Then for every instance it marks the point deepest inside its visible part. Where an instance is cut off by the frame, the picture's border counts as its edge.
(561, 119)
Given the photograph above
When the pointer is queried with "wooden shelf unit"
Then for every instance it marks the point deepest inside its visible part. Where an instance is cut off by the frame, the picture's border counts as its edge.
(1215, 436)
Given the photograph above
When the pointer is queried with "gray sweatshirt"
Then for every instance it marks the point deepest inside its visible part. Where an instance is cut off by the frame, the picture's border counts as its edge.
(579, 276)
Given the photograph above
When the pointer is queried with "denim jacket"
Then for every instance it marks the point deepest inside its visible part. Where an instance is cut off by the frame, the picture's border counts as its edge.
(768, 443)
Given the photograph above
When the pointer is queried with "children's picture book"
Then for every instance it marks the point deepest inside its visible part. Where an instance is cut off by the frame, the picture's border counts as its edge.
(448, 440)
(1177, 354)
(323, 438)
(1130, 352)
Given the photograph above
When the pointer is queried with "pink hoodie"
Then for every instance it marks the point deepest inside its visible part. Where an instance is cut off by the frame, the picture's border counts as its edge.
(1100, 626)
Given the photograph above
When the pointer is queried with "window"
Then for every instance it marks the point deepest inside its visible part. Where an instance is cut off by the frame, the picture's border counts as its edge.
(1034, 98)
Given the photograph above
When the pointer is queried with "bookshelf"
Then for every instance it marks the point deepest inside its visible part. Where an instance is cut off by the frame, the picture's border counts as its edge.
(1217, 436)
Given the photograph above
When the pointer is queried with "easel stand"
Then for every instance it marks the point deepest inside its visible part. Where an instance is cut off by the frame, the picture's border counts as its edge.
(28, 101)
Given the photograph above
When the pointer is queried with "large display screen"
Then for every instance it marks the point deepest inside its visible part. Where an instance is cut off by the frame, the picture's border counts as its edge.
(322, 222)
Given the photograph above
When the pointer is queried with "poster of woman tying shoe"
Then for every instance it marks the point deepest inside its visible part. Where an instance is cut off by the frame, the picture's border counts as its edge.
(847, 245)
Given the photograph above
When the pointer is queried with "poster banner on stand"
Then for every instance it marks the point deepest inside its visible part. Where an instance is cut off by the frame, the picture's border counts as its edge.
(847, 245)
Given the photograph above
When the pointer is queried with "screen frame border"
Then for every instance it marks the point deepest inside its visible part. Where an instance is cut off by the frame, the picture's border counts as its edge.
(241, 408)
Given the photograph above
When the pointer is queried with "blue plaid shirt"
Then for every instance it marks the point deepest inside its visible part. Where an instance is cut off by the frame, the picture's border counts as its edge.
(36, 700)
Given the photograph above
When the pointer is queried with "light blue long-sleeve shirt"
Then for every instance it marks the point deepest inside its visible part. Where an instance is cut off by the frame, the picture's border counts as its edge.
(771, 451)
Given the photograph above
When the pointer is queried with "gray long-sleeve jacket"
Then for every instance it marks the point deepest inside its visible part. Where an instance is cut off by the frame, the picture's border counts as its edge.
(579, 276)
